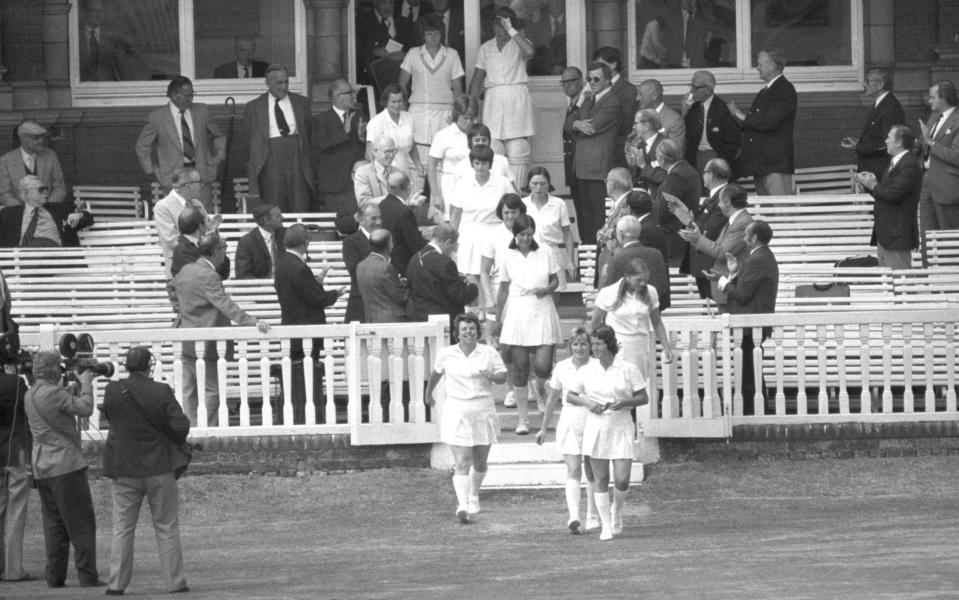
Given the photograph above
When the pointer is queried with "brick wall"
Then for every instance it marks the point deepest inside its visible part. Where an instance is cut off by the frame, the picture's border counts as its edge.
(916, 30)
(22, 45)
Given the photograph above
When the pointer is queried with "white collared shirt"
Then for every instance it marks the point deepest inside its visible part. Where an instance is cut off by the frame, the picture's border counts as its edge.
(895, 159)
(879, 98)
(704, 139)
(29, 160)
(179, 127)
(773, 80)
(287, 107)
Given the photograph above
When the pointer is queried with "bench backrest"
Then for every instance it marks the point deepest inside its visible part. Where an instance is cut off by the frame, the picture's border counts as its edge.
(110, 202)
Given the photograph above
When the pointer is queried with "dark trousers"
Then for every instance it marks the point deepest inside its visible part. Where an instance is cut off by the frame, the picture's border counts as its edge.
(68, 518)
(590, 208)
(282, 181)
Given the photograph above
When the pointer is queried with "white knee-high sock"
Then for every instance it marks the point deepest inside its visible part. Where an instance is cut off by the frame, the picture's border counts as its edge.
(602, 507)
(522, 399)
(591, 500)
(476, 481)
(572, 498)
(461, 485)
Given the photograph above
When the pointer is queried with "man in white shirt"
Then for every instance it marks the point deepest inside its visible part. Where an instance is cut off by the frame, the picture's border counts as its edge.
(370, 181)
(939, 204)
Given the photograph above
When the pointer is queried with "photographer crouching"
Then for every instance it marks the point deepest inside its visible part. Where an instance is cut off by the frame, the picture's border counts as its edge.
(60, 470)
(147, 426)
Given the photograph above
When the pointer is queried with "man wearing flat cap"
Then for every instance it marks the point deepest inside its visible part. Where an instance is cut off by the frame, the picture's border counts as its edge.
(31, 158)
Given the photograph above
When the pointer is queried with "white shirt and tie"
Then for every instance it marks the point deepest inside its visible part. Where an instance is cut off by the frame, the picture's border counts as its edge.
(287, 107)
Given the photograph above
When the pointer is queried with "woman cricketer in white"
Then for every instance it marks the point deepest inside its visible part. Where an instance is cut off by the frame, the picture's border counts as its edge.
(611, 386)
(569, 429)
(552, 223)
(468, 422)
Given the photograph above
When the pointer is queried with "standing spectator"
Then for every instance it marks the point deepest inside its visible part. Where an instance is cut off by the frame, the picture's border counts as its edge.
(711, 131)
(436, 287)
(381, 42)
(147, 426)
(449, 147)
(436, 73)
(397, 124)
(341, 141)
(651, 234)
(356, 247)
(192, 225)
(679, 180)
(552, 219)
(384, 293)
(649, 95)
(15, 445)
(508, 106)
(547, 33)
(939, 203)
(767, 152)
(710, 220)
(279, 128)
(468, 422)
(595, 132)
(39, 224)
(186, 192)
(618, 187)
(245, 66)
(56, 416)
(641, 149)
(657, 272)
(204, 303)
(31, 158)
(397, 217)
(260, 248)
(370, 181)
(895, 230)
(575, 89)
(181, 135)
(411, 10)
(870, 146)
(625, 94)
(103, 53)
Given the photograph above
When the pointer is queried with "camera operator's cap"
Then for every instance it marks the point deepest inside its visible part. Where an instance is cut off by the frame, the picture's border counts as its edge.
(138, 358)
(31, 128)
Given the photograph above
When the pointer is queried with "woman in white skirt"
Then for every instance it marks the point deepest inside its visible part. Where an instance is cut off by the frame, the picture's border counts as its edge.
(468, 422)
(528, 321)
(552, 223)
(569, 429)
(448, 148)
(479, 136)
(611, 386)
(395, 122)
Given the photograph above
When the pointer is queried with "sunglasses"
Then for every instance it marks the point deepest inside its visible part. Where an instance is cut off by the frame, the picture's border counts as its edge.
(594, 79)
(42, 189)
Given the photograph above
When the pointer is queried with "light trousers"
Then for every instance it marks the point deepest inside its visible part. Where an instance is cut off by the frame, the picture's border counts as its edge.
(14, 496)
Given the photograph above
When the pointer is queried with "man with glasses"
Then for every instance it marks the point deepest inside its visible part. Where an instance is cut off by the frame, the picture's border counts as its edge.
(886, 111)
(711, 132)
(341, 141)
(31, 158)
(370, 182)
(181, 134)
(575, 89)
(279, 127)
(39, 224)
(186, 191)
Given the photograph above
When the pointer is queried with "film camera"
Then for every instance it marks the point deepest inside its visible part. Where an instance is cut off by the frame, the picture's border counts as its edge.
(12, 354)
(78, 357)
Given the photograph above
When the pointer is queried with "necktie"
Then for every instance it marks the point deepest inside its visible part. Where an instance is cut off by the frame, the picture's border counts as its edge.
(273, 255)
(281, 123)
(31, 231)
(556, 27)
(932, 136)
(189, 152)
(94, 48)
(30, 165)
(246, 72)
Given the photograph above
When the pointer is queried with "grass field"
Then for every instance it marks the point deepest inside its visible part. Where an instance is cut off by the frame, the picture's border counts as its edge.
(858, 529)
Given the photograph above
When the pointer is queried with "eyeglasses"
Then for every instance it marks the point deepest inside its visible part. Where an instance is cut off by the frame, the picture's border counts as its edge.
(594, 79)
(567, 81)
(346, 93)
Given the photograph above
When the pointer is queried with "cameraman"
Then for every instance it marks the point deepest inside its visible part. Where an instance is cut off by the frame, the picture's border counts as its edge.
(61, 471)
(146, 427)
(14, 460)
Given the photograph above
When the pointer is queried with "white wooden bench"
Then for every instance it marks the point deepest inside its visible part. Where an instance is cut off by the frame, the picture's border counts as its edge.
(942, 247)
(110, 202)
(157, 194)
(834, 179)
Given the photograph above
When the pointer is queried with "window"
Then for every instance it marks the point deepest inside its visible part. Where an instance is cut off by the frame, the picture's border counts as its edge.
(124, 53)
(822, 40)
(543, 22)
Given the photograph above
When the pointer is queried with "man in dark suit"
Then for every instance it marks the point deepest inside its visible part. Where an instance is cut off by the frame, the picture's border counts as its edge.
(716, 135)
(398, 218)
(870, 146)
(244, 66)
(39, 224)
(595, 133)
(651, 234)
(627, 235)
(15, 445)
(147, 426)
(356, 247)
(303, 301)
(103, 52)
(192, 226)
(767, 152)
(384, 293)
(710, 220)
(341, 141)
(680, 180)
(573, 87)
(259, 249)
(939, 202)
(411, 10)
(751, 286)
(625, 94)
(548, 35)
(436, 288)
(279, 127)
(382, 39)
(895, 230)
(641, 150)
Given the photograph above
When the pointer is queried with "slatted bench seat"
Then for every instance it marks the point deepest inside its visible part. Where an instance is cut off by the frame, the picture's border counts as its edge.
(102, 261)
(830, 179)
(111, 202)
(942, 247)
(119, 234)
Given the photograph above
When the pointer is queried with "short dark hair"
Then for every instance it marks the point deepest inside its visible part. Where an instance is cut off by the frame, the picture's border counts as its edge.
(598, 66)
(610, 55)
(511, 201)
(389, 90)
(466, 318)
(475, 130)
(209, 244)
(947, 91)
(639, 203)
(542, 172)
(431, 22)
(606, 333)
(905, 136)
(463, 104)
(138, 358)
(176, 84)
(763, 231)
(521, 224)
(736, 195)
(481, 153)
(189, 221)
(262, 212)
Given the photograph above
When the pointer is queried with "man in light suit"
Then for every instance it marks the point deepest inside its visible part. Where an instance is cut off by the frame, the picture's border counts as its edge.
(895, 230)
(279, 128)
(595, 132)
(939, 203)
(886, 111)
(181, 135)
(258, 251)
(398, 218)
(244, 66)
(204, 303)
(38, 223)
(31, 158)
(731, 240)
(649, 94)
(192, 226)
(709, 219)
(340, 142)
(711, 132)
(625, 94)
(186, 192)
(356, 247)
(767, 151)
(384, 293)
(370, 180)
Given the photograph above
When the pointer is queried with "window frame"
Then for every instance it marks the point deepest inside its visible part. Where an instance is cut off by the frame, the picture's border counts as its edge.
(744, 78)
(209, 90)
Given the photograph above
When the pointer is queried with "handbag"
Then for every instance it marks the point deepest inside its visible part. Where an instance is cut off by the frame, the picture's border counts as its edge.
(180, 454)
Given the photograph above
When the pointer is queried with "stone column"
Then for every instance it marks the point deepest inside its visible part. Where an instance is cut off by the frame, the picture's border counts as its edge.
(327, 53)
(606, 20)
(56, 52)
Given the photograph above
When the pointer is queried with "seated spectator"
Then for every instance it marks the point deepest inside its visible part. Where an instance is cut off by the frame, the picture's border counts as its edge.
(38, 224)
(244, 66)
(370, 181)
(31, 158)
(260, 248)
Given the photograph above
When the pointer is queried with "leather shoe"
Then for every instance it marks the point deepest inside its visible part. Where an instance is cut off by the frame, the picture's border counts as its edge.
(97, 583)
(110, 592)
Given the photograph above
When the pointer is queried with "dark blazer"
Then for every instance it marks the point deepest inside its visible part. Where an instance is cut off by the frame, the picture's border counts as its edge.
(303, 301)
(754, 289)
(871, 152)
(648, 177)
(683, 182)
(11, 218)
(372, 34)
(722, 131)
(252, 255)
(436, 287)
(594, 154)
(396, 216)
(229, 70)
(257, 121)
(356, 247)
(140, 445)
(651, 235)
(625, 93)
(768, 131)
(111, 61)
(895, 225)
(569, 141)
(14, 429)
(384, 296)
(711, 221)
(655, 262)
(186, 252)
(336, 151)
(425, 8)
